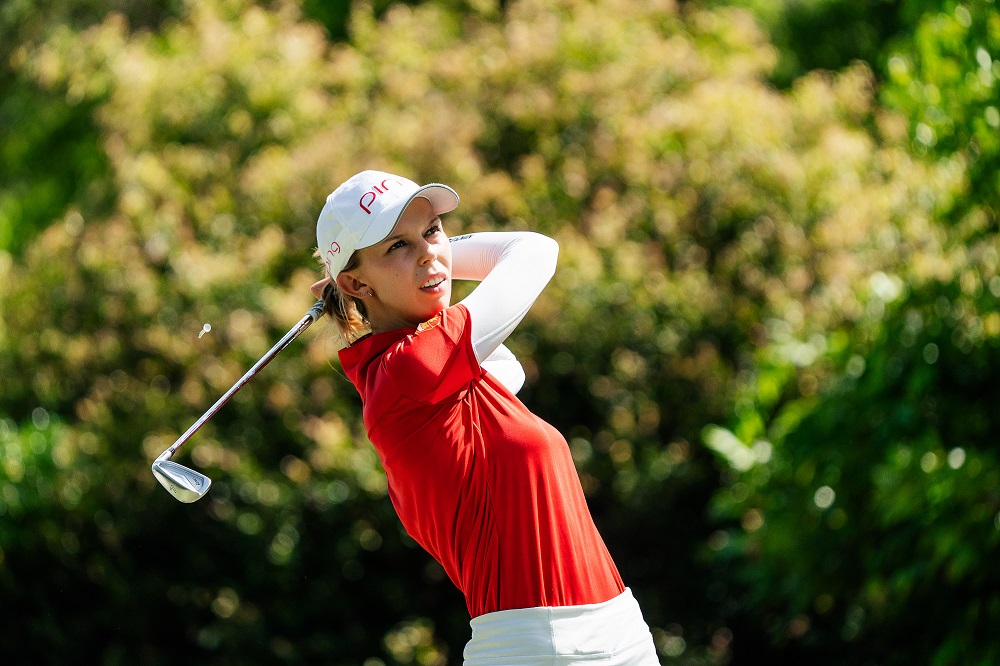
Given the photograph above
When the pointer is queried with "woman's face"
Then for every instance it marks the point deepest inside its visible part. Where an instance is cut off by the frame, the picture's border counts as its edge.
(408, 273)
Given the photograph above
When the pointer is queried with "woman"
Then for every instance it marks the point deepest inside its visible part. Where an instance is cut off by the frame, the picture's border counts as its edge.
(486, 487)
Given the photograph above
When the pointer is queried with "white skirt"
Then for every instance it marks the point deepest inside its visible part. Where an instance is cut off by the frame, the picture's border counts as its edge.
(612, 633)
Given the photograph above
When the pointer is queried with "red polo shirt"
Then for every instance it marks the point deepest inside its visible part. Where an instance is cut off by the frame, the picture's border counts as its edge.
(485, 486)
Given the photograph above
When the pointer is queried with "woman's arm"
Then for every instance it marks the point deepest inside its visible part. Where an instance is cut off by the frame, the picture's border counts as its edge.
(513, 268)
(505, 367)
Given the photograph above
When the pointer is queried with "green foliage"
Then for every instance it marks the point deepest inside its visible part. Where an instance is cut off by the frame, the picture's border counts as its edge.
(881, 496)
(751, 284)
(50, 152)
(944, 78)
(874, 492)
(826, 34)
(937, 61)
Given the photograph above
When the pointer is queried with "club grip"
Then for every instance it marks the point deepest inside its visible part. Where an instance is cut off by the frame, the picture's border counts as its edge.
(316, 311)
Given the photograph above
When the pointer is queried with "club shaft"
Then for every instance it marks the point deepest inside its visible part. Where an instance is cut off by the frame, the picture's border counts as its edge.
(314, 313)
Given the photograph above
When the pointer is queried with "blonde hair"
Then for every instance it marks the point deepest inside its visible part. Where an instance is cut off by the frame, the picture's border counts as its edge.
(348, 312)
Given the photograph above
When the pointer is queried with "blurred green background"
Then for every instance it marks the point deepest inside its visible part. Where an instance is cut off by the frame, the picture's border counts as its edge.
(771, 340)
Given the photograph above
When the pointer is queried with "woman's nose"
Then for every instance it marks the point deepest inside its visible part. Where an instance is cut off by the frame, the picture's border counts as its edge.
(428, 252)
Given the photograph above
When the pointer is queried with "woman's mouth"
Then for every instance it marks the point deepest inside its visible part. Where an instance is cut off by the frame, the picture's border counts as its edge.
(433, 283)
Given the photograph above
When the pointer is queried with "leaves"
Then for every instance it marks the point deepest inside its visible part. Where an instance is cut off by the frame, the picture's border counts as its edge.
(769, 339)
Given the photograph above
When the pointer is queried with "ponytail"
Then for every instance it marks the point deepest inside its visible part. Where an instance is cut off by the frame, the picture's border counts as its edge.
(348, 312)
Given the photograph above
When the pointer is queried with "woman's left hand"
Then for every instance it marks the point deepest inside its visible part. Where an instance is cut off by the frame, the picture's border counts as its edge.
(318, 287)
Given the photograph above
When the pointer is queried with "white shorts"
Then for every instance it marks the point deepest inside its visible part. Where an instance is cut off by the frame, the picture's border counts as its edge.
(612, 633)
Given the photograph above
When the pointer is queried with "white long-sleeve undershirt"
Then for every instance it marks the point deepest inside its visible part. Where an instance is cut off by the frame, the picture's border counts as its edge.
(513, 268)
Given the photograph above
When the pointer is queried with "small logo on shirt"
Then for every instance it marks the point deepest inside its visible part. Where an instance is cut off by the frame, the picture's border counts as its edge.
(429, 324)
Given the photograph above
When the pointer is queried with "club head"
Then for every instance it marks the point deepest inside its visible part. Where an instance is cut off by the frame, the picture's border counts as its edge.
(185, 484)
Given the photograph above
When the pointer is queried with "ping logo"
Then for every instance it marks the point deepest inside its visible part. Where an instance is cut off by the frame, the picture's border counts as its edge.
(369, 197)
(332, 252)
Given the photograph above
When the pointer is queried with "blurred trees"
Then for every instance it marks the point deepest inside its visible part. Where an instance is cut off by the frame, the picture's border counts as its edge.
(886, 477)
(943, 77)
(50, 153)
(829, 34)
(769, 340)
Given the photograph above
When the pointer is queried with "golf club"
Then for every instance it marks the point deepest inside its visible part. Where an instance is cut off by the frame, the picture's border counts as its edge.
(186, 484)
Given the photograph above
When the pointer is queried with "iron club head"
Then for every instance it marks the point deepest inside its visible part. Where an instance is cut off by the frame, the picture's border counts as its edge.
(185, 484)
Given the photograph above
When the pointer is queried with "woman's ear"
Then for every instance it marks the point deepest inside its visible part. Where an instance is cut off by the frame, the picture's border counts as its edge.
(352, 286)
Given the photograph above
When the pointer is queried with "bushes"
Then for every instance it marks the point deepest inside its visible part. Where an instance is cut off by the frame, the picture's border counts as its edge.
(734, 257)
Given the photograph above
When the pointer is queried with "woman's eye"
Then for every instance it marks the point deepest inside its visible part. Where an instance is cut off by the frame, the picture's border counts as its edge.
(433, 230)
(395, 245)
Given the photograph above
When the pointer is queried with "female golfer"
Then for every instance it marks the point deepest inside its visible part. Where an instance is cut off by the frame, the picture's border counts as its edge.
(481, 483)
